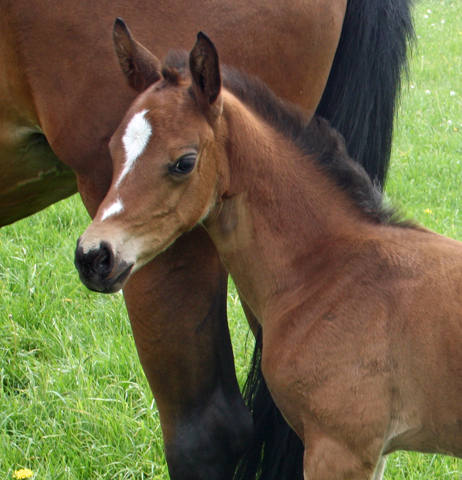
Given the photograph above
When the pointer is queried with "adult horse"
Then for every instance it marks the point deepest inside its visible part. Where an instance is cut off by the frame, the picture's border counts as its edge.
(361, 313)
(62, 96)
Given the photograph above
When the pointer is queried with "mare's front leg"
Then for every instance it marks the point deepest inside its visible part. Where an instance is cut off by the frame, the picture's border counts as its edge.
(177, 308)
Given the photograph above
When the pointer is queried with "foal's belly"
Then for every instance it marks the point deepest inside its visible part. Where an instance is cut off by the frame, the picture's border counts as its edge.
(443, 439)
(31, 176)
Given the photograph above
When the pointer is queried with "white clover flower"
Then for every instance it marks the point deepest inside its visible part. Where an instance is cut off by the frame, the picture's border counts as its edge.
(427, 92)
(452, 93)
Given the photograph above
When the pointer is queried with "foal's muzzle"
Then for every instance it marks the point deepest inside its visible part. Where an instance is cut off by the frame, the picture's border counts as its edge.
(99, 270)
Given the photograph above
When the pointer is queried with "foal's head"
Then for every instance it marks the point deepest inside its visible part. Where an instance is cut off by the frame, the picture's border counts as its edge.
(166, 162)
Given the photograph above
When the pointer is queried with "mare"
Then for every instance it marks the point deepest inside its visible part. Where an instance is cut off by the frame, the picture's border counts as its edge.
(62, 95)
(361, 312)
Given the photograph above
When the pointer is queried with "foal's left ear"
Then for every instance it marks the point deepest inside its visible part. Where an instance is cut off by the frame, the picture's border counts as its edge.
(206, 78)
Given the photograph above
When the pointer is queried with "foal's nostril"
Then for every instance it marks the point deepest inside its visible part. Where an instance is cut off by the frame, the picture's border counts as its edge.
(95, 263)
(104, 261)
(99, 269)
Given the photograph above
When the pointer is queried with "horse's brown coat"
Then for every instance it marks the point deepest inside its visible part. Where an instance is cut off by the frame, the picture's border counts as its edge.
(64, 62)
(361, 318)
(62, 96)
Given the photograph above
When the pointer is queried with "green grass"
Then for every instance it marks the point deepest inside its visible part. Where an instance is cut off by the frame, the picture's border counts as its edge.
(426, 168)
(74, 403)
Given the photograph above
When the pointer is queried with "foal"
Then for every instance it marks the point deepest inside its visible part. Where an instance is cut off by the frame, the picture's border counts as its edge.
(361, 315)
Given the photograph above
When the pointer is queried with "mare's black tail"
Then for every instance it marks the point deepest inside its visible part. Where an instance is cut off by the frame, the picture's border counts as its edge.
(359, 101)
(364, 84)
(276, 452)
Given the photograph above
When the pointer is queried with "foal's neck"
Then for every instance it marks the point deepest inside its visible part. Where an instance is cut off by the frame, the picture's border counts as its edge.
(282, 220)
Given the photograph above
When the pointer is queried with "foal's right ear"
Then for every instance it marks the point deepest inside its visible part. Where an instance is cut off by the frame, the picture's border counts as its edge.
(206, 83)
(140, 66)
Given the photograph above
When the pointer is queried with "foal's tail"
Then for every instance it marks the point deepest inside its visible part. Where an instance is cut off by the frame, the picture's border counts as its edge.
(359, 100)
(364, 84)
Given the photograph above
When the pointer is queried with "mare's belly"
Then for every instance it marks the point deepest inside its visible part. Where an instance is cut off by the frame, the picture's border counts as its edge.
(31, 176)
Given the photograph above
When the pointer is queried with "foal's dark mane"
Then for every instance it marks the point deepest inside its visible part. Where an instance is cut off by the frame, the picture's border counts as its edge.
(317, 139)
(314, 136)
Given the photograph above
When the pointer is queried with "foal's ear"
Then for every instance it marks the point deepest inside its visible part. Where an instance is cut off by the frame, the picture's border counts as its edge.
(140, 66)
(205, 71)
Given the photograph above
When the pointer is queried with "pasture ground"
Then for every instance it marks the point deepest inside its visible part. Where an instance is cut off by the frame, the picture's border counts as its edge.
(74, 403)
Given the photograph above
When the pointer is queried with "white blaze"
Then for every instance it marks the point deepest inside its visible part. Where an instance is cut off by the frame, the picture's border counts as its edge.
(135, 139)
(113, 209)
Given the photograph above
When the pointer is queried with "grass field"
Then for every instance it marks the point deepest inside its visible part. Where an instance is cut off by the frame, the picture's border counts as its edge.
(74, 403)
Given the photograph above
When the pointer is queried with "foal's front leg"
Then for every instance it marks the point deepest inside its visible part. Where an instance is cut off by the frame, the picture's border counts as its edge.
(329, 458)
(380, 469)
(340, 416)
(177, 308)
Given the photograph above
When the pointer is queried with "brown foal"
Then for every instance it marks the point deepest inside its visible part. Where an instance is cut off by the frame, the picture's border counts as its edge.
(361, 314)
(62, 96)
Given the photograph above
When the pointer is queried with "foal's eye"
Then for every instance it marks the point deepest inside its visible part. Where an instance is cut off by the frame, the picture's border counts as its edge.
(184, 165)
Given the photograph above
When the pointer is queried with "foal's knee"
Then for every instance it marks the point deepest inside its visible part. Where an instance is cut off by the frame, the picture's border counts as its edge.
(328, 458)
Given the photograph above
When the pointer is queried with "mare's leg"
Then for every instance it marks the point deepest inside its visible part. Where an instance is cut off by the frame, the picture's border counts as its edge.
(251, 318)
(177, 307)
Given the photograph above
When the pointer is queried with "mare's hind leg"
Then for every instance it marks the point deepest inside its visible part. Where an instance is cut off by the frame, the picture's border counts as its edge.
(177, 307)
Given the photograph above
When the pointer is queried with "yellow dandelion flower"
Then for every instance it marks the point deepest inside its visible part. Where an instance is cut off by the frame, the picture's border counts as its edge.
(23, 473)
(427, 210)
